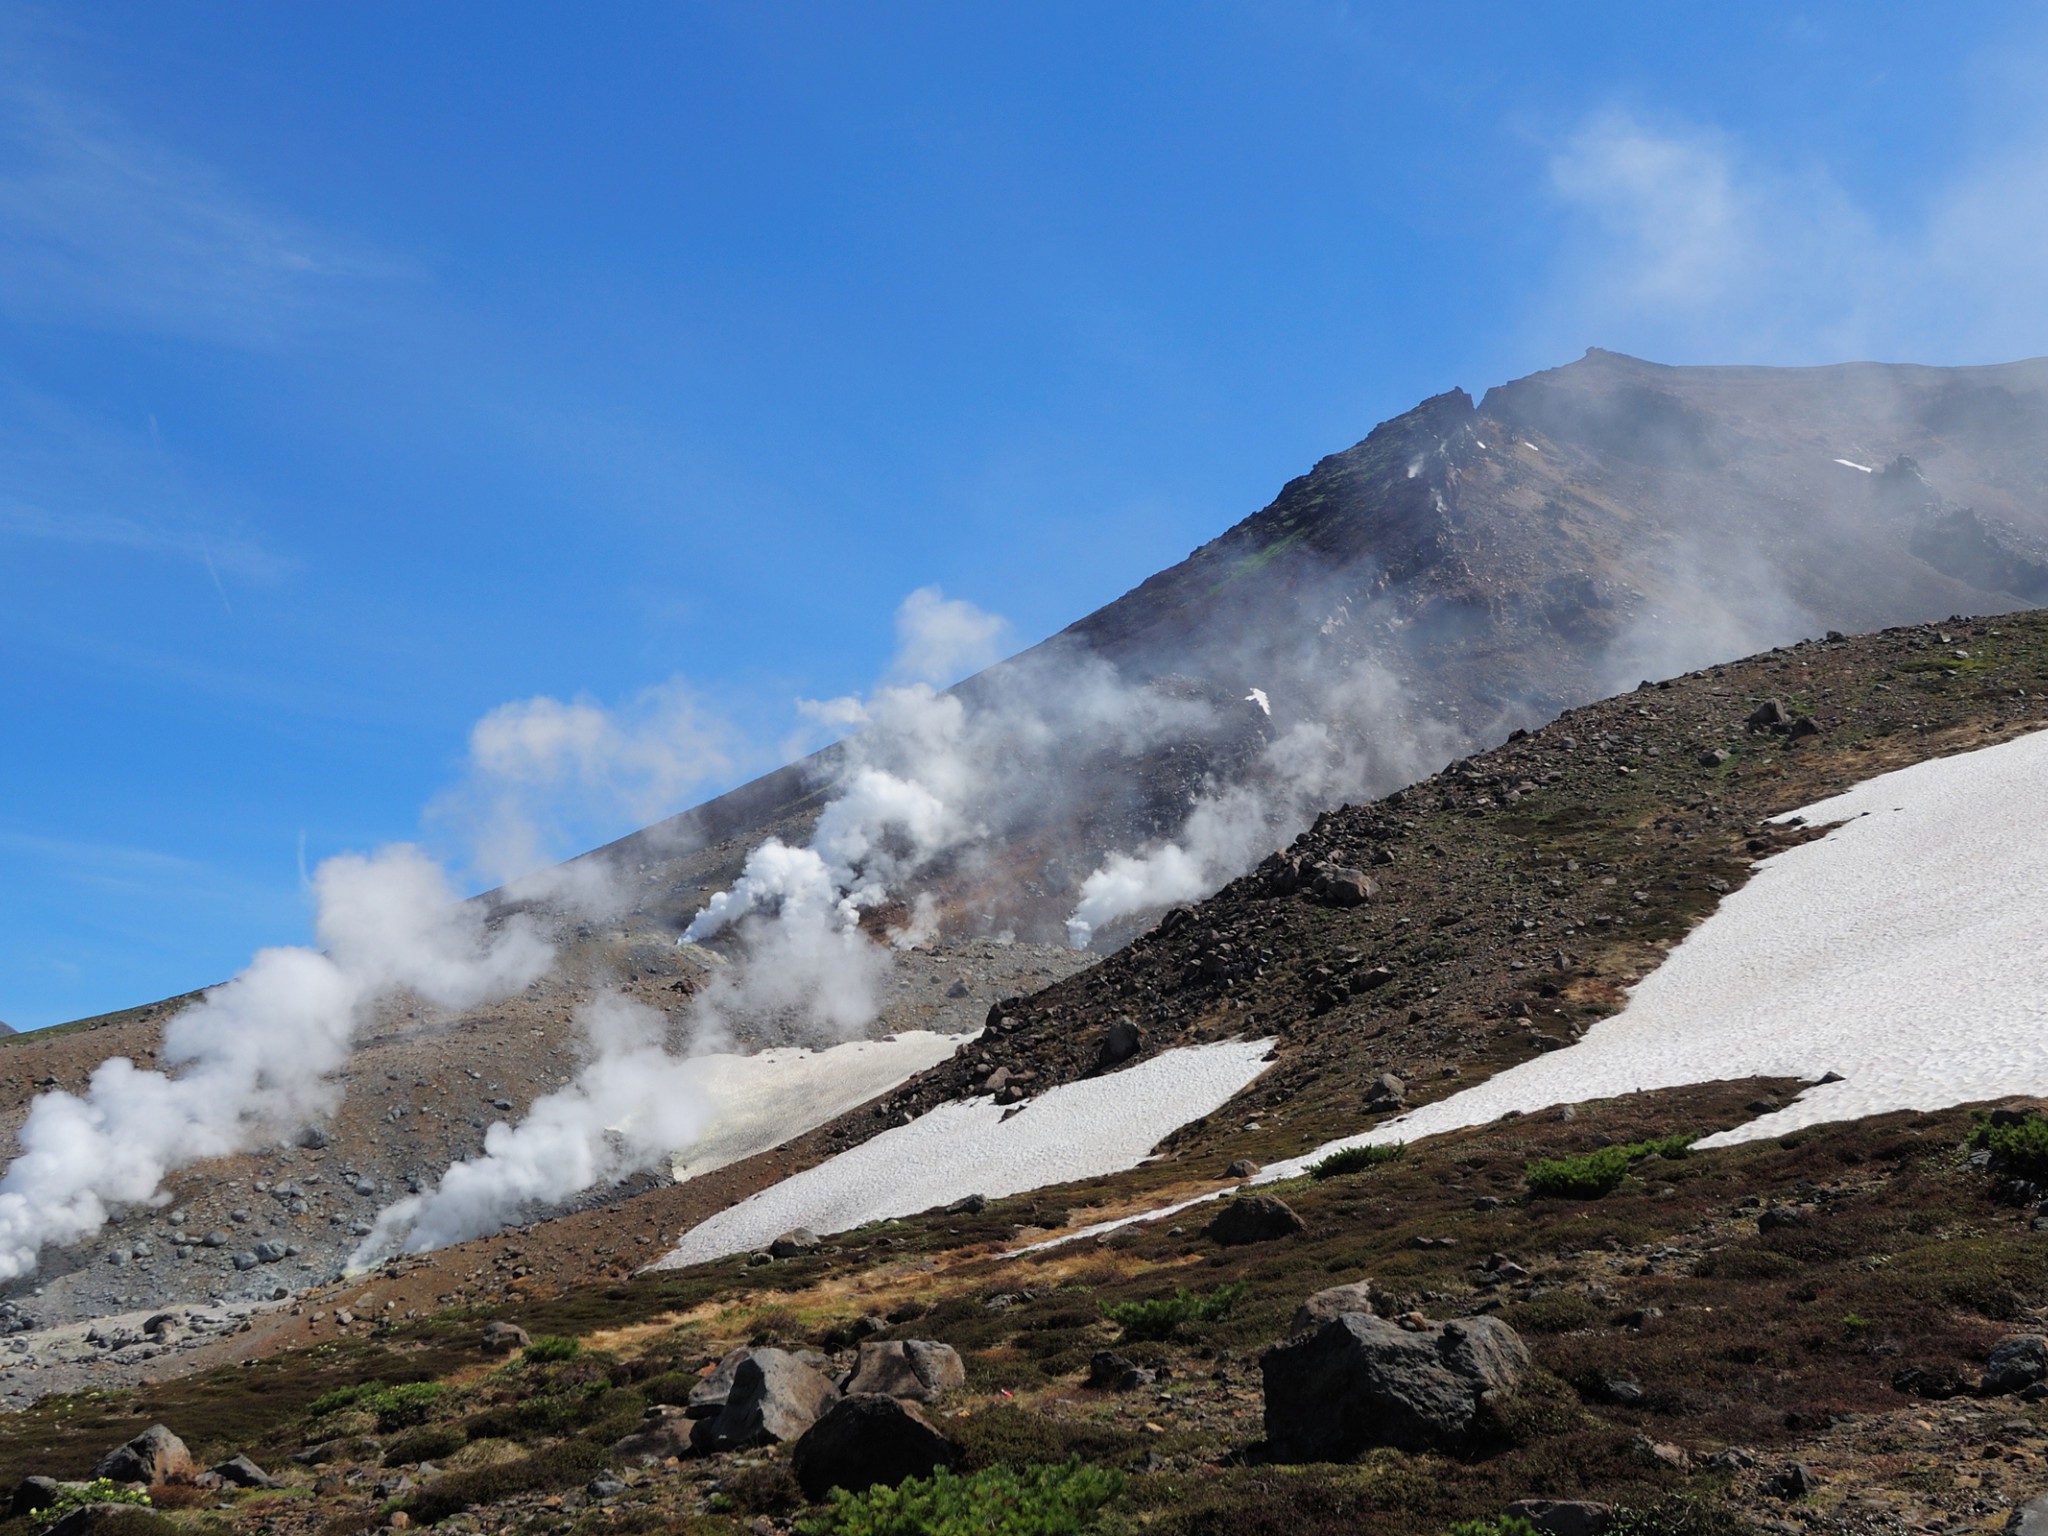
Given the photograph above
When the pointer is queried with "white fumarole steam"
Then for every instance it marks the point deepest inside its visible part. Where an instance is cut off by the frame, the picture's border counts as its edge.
(254, 1060)
(631, 1105)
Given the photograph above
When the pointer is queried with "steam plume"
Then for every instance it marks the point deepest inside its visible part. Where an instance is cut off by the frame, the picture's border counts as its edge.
(258, 1053)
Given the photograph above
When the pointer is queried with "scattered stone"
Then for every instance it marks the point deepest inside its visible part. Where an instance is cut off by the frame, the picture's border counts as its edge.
(1333, 1302)
(1769, 713)
(868, 1439)
(503, 1338)
(968, 1205)
(666, 1431)
(1563, 1517)
(1111, 1372)
(1935, 1382)
(794, 1243)
(1795, 1482)
(154, 1456)
(605, 1486)
(1359, 1382)
(1340, 886)
(1253, 1219)
(1714, 757)
(312, 1138)
(1243, 1168)
(918, 1370)
(2015, 1364)
(1803, 728)
(1387, 1092)
(774, 1396)
(1776, 1218)
(243, 1473)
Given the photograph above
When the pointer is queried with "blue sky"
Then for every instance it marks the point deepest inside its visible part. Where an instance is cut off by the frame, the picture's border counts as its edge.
(367, 368)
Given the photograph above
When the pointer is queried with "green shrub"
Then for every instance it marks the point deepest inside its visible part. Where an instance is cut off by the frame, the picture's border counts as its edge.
(1497, 1525)
(546, 1414)
(550, 1347)
(1163, 1316)
(403, 1406)
(2021, 1150)
(1557, 1312)
(100, 1490)
(1593, 1174)
(340, 1398)
(1042, 1501)
(672, 1387)
(1356, 1159)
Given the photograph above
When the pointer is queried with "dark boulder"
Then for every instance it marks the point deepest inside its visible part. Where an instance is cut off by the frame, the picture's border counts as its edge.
(32, 1494)
(2015, 1364)
(709, 1395)
(154, 1456)
(1118, 1046)
(866, 1439)
(1253, 1219)
(243, 1473)
(774, 1396)
(794, 1243)
(503, 1338)
(1111, 1372)
(1359, 1382)
(1769, 713)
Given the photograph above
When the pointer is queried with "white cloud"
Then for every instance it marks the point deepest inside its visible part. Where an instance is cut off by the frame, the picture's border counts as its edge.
(1689, 244)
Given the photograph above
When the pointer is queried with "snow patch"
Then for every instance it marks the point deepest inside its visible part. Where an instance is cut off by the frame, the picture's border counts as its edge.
(1906, 950)
(1075, 1131)
(760, 1101)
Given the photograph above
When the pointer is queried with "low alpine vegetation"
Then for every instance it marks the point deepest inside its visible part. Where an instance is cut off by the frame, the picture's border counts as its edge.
(1356, 1159)
(1041, 1501)
(1163, 1316)
(1593, 1174)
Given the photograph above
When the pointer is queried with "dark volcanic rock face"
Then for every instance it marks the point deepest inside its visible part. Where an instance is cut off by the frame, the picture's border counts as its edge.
(1467, 569)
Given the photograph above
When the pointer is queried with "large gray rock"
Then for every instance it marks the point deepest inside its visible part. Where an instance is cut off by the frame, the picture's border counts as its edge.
(1331, 1303)
(501, 1338)
(868, 1438)
(1253, 1219)
(2015, 1364)
(154, 1456)
(774, 1396)
(2030, 1518)
(1359, 1382)
(244, 1473)
(665, 1432)
(709, 1395)
(918, 1370)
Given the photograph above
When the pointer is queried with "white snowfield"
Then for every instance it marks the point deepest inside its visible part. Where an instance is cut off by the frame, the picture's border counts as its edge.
(1075, 1131)
(761, 1101)
(1907, 950)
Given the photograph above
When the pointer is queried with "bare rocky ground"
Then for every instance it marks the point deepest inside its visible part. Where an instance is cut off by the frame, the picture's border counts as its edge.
(252, 1231)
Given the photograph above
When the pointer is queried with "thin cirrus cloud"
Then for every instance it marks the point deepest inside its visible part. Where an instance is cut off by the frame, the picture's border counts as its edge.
(1686, 243)
(102, 227)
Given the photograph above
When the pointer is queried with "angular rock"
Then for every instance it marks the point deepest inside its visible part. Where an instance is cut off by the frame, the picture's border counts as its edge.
(2030, 1518)
(503, 1338)
(866, 1439)
(154, 1456)
(794, 1243)
(709, 1395)
(1253, 1219)
(1118, 1046)
(1342, 886)
(2015, 1364)
(243, 1473)
(1795, 1482)
(918, 1370)
(1563, 1517)
(1243, 1168)
(1111, 1372)
(32, 1494)
(774, 1396)
(88, 1518)
(1387, 1092)
(666, 1431)
(1769, 713)
(1359, 1381)
(1330, 1303)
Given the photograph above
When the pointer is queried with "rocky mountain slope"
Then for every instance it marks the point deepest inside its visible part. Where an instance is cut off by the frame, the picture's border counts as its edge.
(1814, 1333)
(1462, 571)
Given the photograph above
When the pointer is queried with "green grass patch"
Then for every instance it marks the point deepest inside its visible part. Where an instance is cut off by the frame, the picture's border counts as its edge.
(1163, 1316)
(100, 1490)
(550, 1347)
(1356, 1159)
(1058, 1500)
(1593, 1174)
